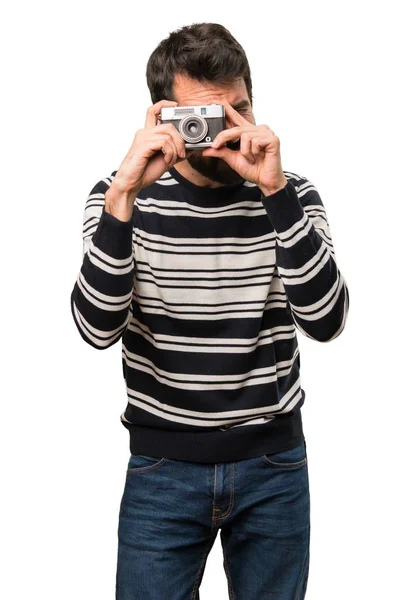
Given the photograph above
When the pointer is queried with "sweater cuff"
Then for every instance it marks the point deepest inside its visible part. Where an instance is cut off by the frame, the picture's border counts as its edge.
(114, 236)
(284, 208)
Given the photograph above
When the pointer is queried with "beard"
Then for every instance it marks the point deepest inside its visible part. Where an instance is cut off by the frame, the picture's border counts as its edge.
(214, 168)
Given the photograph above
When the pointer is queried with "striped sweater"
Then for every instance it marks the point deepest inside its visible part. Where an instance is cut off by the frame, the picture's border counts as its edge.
(207, 287)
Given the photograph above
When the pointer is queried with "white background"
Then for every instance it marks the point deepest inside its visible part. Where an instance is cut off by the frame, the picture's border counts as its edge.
(325, 79)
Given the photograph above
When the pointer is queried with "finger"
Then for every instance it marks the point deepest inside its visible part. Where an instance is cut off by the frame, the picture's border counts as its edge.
(165, 132)
(154, 110)
(231, 134)
(227, 135)
(229, 156)
(245, 147)
(264, 142)
(169, 151)
(169, 129)
(234, 116)
(257, 146)
(162, 142)
(188, 154)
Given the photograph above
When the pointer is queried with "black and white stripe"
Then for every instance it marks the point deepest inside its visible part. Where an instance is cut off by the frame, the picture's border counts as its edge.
(206, 294)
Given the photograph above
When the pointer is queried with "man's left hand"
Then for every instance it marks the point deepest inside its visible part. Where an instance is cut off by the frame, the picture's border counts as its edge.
(259, 157)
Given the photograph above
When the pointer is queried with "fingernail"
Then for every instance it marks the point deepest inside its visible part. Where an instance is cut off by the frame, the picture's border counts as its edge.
(215, 143)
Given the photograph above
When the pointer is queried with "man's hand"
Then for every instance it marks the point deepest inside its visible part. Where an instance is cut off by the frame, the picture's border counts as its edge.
(155, 149)
(259, 158)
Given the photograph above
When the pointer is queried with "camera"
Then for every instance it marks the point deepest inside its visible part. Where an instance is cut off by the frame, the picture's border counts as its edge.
(198, 125)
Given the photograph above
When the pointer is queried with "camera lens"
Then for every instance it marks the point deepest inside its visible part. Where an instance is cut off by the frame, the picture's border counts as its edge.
(193, 128)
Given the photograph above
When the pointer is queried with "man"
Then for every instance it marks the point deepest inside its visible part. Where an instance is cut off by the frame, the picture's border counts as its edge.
(205, 262)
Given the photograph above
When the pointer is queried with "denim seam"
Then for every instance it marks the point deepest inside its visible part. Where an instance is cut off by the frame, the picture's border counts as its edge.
(146, 467)
(228, 574)
(201, 569)
(284, 465)
(302, 579)
(230, 507)
(215, 487)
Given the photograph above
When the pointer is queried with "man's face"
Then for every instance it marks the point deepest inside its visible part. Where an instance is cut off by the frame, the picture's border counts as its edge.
(188, 92)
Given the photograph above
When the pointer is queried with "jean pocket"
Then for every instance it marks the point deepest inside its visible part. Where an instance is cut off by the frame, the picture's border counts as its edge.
(141, 462)
(294, 458)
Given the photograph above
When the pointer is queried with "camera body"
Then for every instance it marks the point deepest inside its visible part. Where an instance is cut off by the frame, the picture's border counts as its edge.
(198, 125)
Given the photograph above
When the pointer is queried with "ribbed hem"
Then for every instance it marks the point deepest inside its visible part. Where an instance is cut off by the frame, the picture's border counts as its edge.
(238, 443)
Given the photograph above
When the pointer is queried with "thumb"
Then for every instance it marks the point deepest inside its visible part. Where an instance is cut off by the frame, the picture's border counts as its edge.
(225, 153)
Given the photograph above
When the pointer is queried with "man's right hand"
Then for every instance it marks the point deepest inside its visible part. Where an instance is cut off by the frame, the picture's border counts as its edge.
(155, 149)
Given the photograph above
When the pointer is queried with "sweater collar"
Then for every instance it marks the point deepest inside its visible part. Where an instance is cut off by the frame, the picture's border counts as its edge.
(207, 194)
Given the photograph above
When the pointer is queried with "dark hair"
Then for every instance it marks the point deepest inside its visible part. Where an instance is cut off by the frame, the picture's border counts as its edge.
(201, 51)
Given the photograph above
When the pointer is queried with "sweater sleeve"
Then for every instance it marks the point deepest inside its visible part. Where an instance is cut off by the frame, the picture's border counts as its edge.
(102, 293)
(317, 292)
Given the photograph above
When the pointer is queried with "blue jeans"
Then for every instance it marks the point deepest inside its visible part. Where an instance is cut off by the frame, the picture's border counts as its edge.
(171, 511)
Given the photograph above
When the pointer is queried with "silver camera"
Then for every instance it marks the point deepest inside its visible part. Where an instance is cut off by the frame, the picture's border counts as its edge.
(198, 125)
